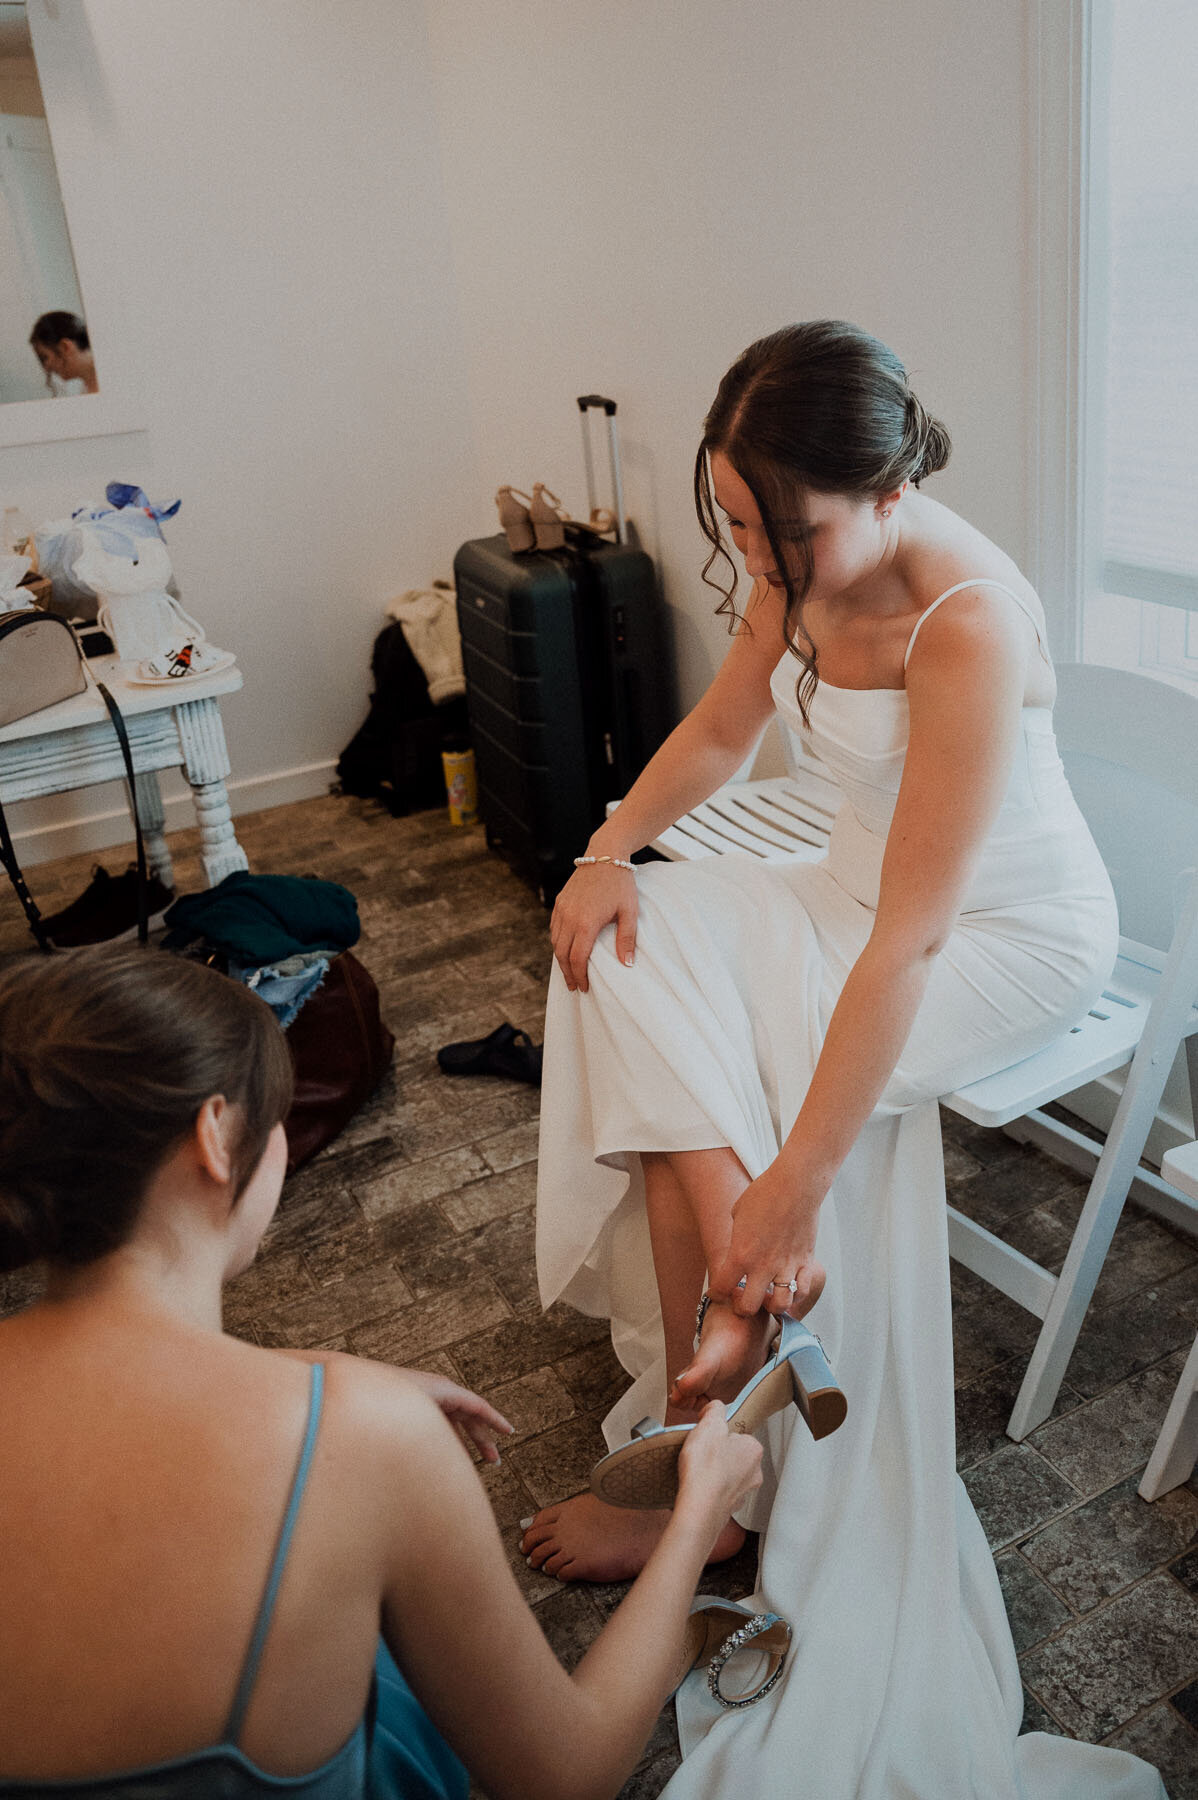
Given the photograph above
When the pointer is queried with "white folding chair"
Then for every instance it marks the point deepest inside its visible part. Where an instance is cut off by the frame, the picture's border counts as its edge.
(1176, 1452)
(784, 818)
(1130, 745)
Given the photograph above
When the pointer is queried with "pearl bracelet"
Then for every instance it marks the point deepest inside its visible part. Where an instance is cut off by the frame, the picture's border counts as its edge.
(617, 862)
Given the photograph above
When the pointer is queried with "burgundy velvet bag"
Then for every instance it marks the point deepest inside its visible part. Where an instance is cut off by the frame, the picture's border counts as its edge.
(341, 1050)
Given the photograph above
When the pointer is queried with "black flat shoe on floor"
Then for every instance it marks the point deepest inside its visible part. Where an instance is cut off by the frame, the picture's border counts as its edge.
(507, 1052)
(106, 909)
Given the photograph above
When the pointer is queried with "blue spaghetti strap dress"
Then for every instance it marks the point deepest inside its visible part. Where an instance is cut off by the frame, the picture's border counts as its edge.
(394, 1753)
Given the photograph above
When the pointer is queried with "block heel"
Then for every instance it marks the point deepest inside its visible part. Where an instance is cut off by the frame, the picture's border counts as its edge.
(816, 1392)
(643, 1473)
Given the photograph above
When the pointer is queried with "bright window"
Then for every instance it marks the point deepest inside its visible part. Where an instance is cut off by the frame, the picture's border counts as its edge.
(1140, 600)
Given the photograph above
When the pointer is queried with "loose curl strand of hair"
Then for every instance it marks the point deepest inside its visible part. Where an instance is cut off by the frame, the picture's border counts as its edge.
(816, 407)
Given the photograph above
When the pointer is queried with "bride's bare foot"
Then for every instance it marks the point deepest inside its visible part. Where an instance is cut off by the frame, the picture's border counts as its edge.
(731, 1350)
(582, 1539)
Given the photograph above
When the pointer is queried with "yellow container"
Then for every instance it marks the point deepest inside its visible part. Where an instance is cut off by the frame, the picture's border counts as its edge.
(461, 786)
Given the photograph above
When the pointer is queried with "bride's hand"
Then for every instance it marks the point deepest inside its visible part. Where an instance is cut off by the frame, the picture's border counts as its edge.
(591, 899)
(773, 1240)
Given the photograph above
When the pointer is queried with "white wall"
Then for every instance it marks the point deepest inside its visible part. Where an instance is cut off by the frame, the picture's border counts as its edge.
(639, 189)
(380, 247)
(300, 375)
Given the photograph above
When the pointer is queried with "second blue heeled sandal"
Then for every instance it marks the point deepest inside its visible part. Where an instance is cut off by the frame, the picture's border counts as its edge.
(719, 1632)
(643, 1473)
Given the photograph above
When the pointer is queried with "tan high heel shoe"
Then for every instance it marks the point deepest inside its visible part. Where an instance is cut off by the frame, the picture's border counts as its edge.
(514, 517)
(548, 519)
(549, 522)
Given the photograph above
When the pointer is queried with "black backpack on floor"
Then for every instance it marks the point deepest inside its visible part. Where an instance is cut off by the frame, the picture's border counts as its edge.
(395, 757)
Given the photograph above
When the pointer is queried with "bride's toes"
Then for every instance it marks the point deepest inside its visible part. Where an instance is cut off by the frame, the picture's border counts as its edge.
(540, 1532)
(538, 1554)
(589, 1541)
(691, 1387)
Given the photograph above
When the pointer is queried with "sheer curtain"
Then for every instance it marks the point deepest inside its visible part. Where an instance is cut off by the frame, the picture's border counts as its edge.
(1145, 275)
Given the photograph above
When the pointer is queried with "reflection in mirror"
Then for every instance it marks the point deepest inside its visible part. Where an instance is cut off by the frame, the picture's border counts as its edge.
(44, 344)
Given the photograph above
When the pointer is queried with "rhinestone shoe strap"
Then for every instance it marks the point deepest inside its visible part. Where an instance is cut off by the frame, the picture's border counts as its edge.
(735, 1641)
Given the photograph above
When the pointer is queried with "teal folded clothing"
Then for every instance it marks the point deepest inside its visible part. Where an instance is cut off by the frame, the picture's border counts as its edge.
(259, 920)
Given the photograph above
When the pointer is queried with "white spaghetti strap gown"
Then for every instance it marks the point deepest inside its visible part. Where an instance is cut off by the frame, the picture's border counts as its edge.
(902, 1683)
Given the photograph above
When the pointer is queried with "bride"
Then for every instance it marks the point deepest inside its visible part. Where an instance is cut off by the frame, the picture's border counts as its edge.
(743, 1061)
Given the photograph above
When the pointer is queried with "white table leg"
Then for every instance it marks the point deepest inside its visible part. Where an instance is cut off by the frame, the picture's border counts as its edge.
(153, 818)
(206, 763)
(220, 852)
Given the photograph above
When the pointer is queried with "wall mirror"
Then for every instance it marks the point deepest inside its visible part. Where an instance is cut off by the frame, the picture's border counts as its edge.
(39, 284)
(64, 271)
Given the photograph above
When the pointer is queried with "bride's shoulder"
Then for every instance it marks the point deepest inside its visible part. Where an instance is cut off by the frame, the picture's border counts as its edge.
(944, 553)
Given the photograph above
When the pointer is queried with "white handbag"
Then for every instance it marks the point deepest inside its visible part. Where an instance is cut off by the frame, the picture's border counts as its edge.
(40, 663)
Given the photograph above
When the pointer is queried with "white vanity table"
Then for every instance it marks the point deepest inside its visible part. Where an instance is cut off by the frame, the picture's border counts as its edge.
(74, 745)
(102, 436)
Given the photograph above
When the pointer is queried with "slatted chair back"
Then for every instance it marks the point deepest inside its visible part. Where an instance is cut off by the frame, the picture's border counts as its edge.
(1130, 748)
(781, 818)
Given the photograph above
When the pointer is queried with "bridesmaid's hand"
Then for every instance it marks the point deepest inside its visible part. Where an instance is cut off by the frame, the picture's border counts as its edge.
(477, 1420)
(591, 899)
(773, 1240)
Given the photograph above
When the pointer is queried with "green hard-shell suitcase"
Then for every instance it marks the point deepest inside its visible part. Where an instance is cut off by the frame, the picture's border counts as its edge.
(567, 682)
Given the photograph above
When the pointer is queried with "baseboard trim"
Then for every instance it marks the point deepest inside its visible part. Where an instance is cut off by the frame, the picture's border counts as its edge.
(101, 830)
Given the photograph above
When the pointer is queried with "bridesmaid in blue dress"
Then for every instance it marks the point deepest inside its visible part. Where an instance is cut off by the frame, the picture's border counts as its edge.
(204, 1541)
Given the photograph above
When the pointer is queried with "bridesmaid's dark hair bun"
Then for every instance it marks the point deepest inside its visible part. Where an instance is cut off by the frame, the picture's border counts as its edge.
(818, 407)
(106, 1057)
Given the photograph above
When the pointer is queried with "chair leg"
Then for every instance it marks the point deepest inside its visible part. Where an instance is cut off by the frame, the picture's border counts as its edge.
(1074, 1291)
(1116, 1166)
(1176, 1450)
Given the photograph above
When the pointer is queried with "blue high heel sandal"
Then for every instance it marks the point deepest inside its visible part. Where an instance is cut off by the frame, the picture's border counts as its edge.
(643, 1473)
(716, 1633)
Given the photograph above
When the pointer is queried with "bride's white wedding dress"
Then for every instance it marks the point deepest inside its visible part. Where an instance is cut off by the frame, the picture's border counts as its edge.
(902, 1682)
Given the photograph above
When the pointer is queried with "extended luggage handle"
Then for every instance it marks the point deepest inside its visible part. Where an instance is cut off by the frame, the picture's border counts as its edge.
(585, 403)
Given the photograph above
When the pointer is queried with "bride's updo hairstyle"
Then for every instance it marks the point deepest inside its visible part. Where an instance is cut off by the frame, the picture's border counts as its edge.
(823, 407)
(106, 1057)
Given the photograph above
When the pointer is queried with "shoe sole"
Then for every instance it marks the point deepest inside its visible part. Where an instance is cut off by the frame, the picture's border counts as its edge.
(643, 1474)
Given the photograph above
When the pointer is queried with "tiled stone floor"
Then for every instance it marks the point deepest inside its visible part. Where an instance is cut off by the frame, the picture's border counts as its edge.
(411, 1239)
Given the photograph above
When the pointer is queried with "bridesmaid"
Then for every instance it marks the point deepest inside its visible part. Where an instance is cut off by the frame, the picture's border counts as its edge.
(203, 1539)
